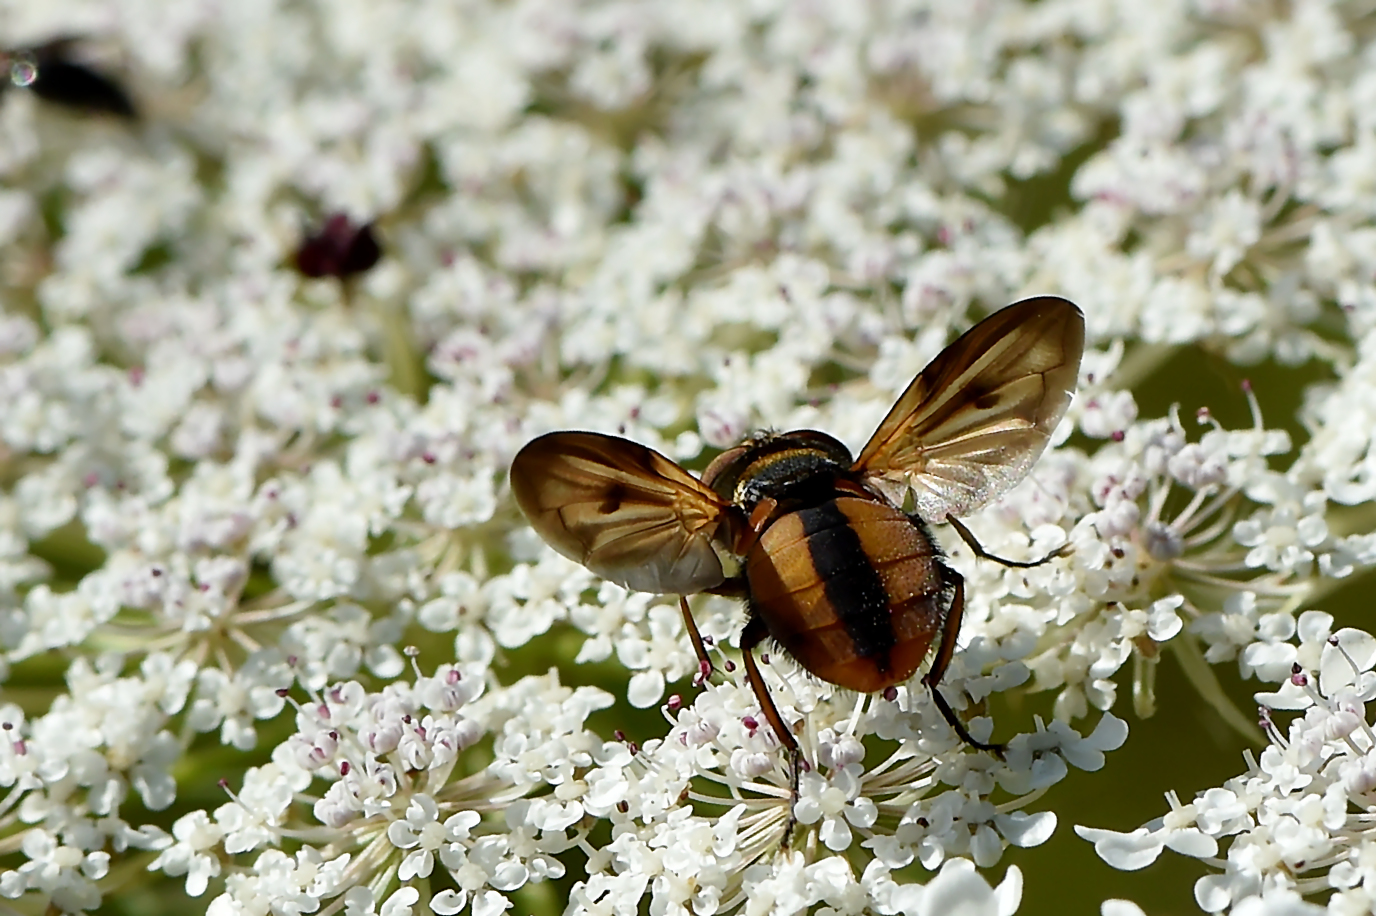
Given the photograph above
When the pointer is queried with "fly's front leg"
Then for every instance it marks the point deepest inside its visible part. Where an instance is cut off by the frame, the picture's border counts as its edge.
(691, 625)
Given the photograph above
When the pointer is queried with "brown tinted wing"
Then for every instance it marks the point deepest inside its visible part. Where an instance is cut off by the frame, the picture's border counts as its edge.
(977, 417)
(622, 510)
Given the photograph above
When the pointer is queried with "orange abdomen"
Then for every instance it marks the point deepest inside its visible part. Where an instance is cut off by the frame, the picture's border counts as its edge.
(852, 588)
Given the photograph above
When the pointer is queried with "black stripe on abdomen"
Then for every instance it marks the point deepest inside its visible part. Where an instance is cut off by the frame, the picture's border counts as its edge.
(849, 581)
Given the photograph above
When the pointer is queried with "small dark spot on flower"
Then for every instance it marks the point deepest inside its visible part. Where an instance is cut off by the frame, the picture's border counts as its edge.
(339, 249)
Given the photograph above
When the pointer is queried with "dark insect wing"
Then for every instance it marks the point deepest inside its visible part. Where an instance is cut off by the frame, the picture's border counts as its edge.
(974, 421)
(624, 511)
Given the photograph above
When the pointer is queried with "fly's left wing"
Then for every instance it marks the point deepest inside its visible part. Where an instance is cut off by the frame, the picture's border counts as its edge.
(624, 511)
(974, 421)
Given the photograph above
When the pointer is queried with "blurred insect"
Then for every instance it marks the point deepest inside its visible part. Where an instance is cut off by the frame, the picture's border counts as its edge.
(341, 248)
(829, 564)
(53, 72)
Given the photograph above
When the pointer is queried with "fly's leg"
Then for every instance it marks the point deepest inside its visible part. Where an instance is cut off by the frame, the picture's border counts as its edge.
(944, 652)
(968, 537)
(755, 633)
(704, 663)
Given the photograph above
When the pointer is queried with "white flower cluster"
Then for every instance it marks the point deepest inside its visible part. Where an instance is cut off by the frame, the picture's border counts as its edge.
(1298, 821)
(391, 811)
(229, 491)
(926, 802)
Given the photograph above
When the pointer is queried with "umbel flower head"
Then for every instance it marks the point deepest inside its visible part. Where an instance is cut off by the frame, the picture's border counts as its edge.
(392, 803)
(271, 623)
(712, 805)
(1297, 822)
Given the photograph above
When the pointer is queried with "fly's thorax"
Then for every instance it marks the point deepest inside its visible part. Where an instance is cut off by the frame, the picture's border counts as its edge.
(789, 468)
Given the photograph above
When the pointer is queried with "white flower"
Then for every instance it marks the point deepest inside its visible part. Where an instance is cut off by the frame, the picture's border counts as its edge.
(196, 836)
(834, 802)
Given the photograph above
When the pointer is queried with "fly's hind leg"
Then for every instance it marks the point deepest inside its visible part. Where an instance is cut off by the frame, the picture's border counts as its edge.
(756, 632)
(968, 537)
(944, 651)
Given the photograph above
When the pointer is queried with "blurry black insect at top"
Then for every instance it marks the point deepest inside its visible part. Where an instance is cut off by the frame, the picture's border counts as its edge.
(831, 567)
(53, 72)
